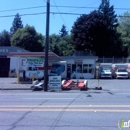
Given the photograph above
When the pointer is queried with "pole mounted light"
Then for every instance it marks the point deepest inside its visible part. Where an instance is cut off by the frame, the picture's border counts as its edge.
(46, 46)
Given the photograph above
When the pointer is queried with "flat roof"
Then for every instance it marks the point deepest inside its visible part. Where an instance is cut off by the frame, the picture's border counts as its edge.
(79, 57)
(52, 57)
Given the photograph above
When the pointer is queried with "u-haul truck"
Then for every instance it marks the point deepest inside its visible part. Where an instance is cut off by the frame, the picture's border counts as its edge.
(105, 70)
(33, 68)
(119, 70)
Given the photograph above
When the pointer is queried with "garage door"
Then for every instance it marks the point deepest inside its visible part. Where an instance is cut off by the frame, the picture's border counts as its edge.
(4, 67)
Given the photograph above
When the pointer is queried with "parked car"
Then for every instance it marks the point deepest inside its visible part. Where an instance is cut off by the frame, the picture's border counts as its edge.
(121, 73)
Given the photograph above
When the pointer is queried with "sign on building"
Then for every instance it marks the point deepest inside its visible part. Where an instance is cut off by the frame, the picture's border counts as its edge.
(33, 62)
(55, 82)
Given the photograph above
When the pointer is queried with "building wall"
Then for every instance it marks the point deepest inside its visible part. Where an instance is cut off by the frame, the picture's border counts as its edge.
(82, 67)
(14, 61)
(8, 63)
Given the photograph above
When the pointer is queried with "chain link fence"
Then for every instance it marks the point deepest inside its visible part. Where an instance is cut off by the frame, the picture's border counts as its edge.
(113, 60)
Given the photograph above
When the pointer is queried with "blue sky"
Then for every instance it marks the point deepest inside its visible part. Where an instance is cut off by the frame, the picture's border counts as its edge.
(56, 20)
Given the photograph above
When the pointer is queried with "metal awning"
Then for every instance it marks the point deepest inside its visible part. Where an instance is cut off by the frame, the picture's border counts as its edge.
(52, 57)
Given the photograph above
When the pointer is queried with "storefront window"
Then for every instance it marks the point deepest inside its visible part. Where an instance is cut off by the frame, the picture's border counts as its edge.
(76, 68)
(79, 68)
(85, 68)
(90, 68)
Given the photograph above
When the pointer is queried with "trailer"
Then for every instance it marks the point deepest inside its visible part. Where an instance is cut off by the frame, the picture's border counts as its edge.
(74, 84)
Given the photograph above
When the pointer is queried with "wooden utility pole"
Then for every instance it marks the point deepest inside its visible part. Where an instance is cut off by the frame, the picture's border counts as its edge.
(46, 46)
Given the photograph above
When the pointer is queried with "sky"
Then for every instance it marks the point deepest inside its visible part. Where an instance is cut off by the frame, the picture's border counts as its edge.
(9, 8)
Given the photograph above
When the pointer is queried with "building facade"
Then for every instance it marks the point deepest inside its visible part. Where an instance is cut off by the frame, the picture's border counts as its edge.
(8, 64)
(80, 66)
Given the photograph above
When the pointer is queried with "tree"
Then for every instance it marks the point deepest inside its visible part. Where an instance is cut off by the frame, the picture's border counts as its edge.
(28, 39)
(65, 46)
(109, 14)
(53, 43)
(62, 46)
(63, 31)
(17, 23)
(5, 38)
(124, 30)
(97, 31)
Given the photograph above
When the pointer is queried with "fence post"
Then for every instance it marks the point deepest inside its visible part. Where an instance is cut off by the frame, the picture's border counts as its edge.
(18, 78)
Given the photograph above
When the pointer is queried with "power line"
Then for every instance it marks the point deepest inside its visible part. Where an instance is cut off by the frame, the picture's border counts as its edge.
(78, 7)
(60, 14)
(22, 15)
(22, 8)
(4, 16)
(45, 1)
(86, 5)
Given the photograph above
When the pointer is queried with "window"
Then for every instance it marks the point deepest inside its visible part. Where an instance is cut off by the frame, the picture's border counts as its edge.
(85, 68)
(73, 68)
(88, 68)
(76, 68)
(121, 70)
(58, 68)
(79, 68)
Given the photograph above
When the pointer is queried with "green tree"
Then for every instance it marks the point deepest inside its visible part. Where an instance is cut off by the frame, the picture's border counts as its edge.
(28, 39)
(5, 38)
(63, 31)
(65, 46)
(62, 46)
(109, 14)
(17, 23)
(97, 31)
(124, 30)
(53, 43)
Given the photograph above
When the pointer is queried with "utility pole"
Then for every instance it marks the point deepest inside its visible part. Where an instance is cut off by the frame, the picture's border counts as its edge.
(46, 46)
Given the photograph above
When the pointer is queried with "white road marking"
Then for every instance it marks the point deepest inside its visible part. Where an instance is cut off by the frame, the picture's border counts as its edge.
(64, 105)
(48, 98)
(67, 110)
(61, 107)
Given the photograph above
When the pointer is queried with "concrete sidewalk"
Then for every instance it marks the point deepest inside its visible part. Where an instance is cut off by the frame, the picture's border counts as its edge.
(11, 84)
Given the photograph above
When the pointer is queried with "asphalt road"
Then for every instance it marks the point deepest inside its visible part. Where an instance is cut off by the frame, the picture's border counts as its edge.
(66, 110)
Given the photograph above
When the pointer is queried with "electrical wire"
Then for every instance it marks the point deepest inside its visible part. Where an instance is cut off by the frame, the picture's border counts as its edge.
(82, 8)
(44, 1)
(60, 14)
(59, 7)
(22, 8)
(4, 16)
(22, 15)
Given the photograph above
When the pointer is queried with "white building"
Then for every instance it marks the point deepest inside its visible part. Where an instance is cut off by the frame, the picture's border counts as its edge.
(14, 58)
(82, 66)
(7, 64)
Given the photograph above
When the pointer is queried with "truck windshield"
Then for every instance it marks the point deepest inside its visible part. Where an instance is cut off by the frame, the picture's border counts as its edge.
(121, 70)
(106, 70)
(57, 68)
